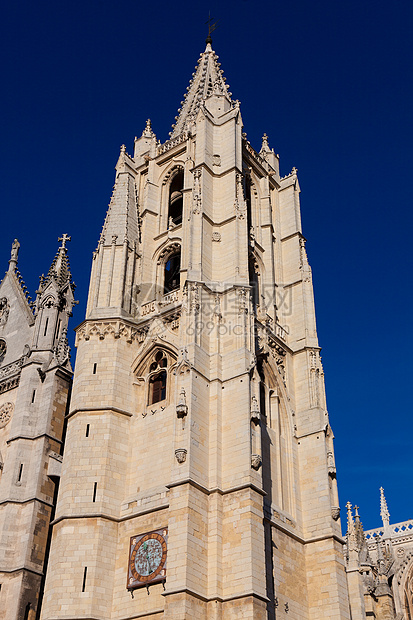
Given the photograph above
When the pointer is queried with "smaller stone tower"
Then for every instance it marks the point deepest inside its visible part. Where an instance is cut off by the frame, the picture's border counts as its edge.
(35, 380)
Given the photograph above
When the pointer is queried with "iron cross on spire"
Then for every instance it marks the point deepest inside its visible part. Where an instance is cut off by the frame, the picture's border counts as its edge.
(63, 239)
(211, 27)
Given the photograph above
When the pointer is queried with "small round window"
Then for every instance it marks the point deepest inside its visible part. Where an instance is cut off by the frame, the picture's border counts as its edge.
(3, 349)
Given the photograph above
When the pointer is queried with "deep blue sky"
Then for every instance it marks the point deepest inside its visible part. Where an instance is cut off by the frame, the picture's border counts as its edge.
(331, 84)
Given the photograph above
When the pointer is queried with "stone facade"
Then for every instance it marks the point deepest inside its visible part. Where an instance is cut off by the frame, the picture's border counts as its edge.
(198, 422)
(35, 379)
(198, 404)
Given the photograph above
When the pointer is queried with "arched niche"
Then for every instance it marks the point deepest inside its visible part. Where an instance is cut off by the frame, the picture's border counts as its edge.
(278, 447)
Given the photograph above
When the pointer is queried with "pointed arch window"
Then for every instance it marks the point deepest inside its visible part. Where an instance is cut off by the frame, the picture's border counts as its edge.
(158, 378)
(247, 193)
(176, 199)
(172, 272)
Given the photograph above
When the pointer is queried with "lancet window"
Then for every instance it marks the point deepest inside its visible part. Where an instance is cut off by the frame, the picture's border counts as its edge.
(176, 199)
(247, 194)
(276, 439)
(158, 378)
(172, 275)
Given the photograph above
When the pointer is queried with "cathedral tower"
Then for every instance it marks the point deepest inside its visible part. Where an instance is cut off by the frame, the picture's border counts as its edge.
(198, 478)
(35, 380)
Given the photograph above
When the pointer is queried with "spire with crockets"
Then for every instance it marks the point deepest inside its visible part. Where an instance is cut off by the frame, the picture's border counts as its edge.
(60, 267)
(384, 511)
(208, 79)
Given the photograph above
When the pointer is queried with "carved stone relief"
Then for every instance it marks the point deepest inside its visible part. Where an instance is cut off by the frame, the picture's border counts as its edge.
(335, 512)
(180, 455)
(62, 349)
(6, 411)
(117, 329)
(196, 196)
(173, 247)
(4, 311)
(183, 365)
(240, 204)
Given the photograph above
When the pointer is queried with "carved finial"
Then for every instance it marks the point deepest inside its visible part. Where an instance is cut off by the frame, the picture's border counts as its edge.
(384, 511)
(356, 512)
(64, 238)
(148, 132)
(14, 255)
(265, 146)
(350, 521)
(123, 149)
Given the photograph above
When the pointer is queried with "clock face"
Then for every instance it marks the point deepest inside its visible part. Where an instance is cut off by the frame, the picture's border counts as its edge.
(147, 558)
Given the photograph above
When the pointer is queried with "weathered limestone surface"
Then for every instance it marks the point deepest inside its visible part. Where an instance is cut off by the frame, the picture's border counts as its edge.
(198, 403)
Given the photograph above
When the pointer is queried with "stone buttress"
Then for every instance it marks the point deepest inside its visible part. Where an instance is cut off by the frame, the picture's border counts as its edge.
(198, 406)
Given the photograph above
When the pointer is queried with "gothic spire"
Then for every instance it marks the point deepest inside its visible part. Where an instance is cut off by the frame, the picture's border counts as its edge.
(207, 79)
(351, 536)
(361, 538)
(60, 267)
(384, 511)
(121, 222)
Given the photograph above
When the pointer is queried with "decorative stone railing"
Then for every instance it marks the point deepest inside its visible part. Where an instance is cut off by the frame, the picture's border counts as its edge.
(148, 308)
(169, 144)
(154, 306)
(11, 369)
(397, 529)
(10, 375)
(281, 332)
(170, 298)
(275, 328)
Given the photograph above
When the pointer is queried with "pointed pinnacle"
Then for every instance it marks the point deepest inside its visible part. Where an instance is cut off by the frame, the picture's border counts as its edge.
(384, 511)
(350, 521)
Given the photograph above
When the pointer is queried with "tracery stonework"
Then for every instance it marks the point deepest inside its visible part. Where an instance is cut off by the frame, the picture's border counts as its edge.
(6, 411)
